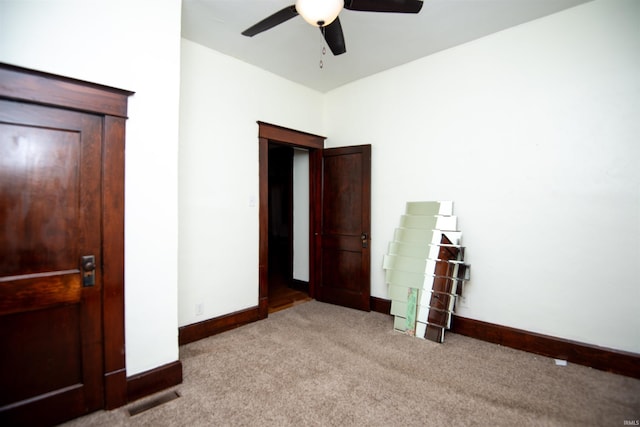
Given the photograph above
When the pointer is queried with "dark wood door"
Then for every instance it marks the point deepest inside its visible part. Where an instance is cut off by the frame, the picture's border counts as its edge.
(51, 362)
(345, 227)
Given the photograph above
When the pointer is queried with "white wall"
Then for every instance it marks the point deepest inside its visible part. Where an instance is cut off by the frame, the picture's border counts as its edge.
(533, 132)
(119, 43)
(301, 215)
(541, 120)
(221, 100)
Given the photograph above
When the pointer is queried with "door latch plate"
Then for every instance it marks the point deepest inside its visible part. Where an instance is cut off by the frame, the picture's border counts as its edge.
(88, 267)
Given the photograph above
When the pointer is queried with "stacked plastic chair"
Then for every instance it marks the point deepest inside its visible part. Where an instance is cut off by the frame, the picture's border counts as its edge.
(425, 269)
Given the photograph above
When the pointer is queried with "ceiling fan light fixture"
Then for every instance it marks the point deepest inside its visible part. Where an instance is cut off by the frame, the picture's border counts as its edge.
(319, 13)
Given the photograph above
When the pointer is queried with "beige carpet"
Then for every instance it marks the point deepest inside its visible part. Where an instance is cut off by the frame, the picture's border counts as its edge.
(318, 364)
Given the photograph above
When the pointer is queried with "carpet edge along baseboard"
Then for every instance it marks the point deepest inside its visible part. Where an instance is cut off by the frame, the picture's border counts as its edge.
(216, 325)
(602, 358)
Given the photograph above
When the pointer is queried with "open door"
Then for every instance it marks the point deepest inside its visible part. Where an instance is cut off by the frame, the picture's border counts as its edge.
(343, 257)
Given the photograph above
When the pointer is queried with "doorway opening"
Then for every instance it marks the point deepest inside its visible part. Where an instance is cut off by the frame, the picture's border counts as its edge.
(339, 255)
(273, 136)
(288, 210)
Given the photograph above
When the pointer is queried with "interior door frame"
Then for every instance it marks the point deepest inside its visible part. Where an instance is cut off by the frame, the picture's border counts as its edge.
(29, 86)
(314, 144)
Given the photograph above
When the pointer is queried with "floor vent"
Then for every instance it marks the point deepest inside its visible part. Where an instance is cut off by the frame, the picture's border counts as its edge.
(152, 403)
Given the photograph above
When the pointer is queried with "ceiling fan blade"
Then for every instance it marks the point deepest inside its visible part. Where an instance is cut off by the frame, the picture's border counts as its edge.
(398, 6)
(271, 21)
(335, 38)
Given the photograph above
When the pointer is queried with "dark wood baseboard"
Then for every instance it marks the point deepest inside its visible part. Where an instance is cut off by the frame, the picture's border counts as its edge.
(153, 381)
(206, 328)
(163, 377)
(602, 358)
(380, 305)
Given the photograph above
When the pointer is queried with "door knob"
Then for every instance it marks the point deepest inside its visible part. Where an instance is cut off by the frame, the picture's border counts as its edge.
(88, 264)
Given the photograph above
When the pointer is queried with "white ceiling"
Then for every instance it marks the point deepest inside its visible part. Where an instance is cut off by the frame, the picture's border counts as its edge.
(375, 41)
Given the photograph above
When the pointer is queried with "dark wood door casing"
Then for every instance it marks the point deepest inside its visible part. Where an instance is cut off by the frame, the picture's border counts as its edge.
(110, 104)
(313, 143)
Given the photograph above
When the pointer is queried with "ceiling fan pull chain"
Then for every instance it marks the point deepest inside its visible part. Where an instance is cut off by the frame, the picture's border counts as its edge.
(324, 49)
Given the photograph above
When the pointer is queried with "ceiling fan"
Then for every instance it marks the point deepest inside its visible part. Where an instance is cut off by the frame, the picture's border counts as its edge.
(324, 14)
